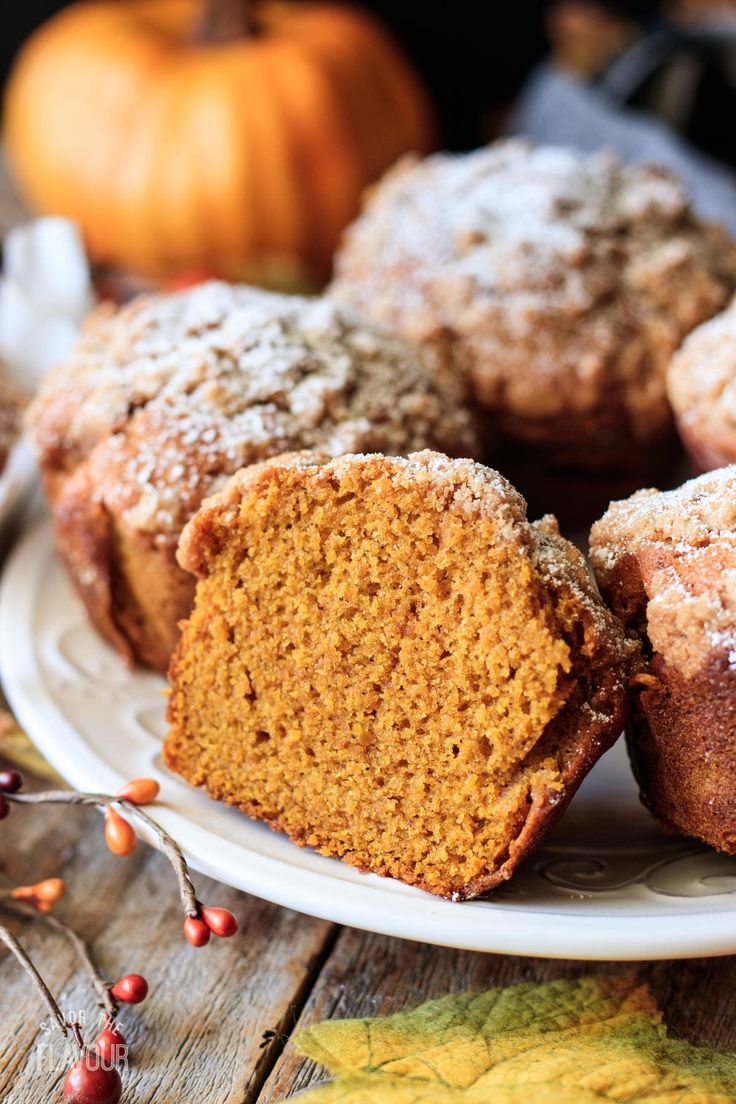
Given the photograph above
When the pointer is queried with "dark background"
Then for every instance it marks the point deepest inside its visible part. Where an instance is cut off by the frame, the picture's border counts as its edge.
(473, 54)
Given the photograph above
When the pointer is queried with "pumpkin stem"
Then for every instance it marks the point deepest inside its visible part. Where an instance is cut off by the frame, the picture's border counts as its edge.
(224, 21)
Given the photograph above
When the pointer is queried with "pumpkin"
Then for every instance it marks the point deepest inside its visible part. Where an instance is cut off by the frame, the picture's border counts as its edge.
(210, 134)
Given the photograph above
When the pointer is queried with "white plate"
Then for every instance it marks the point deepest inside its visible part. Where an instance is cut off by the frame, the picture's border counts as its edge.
(606, 885)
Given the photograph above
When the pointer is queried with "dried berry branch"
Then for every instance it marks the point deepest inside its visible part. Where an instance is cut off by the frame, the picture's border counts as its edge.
(165, 843)
(102, 988)
(200, 921)
(93, 1077)
(45, 993)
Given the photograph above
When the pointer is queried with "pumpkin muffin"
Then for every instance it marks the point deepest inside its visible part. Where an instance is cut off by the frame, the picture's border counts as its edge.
(559, 283)
(666, 563)
(388, 662)
(164, 399)
(701, 384)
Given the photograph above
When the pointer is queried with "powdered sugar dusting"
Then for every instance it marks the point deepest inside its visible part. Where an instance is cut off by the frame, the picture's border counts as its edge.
(536, 260)
(685, 544)
(701, 384)
(167, 397)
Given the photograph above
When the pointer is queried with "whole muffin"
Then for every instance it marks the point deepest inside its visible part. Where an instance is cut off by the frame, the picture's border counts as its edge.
(388, 662)
(666, 563)
(164, 399)
(559, 283)
(701, 384)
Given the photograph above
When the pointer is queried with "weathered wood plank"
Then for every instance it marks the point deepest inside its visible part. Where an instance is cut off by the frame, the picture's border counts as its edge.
(370, 975)
(697, 997)
(198, 1036)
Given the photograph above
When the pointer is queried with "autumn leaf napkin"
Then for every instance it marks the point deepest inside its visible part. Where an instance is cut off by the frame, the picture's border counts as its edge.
(577, 1041)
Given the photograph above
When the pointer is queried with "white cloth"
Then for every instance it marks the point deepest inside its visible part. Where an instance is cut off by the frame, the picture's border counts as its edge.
(45, 292)
(559, 109)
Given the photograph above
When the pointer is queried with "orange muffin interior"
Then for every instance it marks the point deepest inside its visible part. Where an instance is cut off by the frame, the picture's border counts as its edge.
(373, 665)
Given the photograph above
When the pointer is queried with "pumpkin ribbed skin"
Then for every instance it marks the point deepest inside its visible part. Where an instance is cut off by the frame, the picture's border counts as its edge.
(238, 157)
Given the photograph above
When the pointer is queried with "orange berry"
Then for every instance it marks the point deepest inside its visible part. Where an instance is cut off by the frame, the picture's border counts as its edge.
(141, 791)
(43, 896)
(23, 893)
(49, 890)
(119, 836)
(220, 921)
(196, 931)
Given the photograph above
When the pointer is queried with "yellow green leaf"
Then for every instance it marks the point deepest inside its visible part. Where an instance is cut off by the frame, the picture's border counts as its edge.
(578, 1041)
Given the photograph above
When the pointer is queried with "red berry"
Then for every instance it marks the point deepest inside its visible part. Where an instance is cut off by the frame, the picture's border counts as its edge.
(131, 989)
(91, 1081)
(220, 921)
(196, 931)
(11, 781)
(4, 806)
(111, 1046)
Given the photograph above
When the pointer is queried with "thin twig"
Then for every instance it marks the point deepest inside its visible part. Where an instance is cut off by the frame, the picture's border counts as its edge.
(82, 951)
(15, 949)
(168, 846)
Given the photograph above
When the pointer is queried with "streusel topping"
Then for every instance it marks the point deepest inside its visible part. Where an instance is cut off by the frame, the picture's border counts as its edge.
(701, 379)
(685, 542)
(171, 394)
(552, 277)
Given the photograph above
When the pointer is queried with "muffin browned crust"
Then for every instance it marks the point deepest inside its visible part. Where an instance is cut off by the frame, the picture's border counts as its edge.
(666, 563)
(388, 662)
(559, 283)
(164, 399)
(701, 385)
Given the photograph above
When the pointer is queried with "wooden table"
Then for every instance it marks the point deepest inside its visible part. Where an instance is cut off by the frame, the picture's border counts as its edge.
(199, 1038)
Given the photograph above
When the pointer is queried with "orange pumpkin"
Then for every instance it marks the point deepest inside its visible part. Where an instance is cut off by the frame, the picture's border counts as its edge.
(179, 147)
